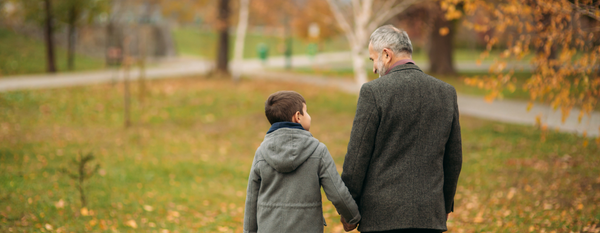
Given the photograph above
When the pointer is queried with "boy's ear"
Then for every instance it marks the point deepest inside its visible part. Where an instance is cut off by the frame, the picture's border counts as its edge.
(296, 117)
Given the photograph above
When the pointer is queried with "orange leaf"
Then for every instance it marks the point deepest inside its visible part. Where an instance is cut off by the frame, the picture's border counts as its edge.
(444, 31)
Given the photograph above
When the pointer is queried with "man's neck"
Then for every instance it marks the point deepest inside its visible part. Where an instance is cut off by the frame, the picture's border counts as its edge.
(397, 59)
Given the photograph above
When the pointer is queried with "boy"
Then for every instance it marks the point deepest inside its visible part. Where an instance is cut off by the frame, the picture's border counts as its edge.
(289, 168)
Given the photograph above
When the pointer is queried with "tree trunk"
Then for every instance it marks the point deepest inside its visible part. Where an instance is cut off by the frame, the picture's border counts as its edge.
(142, 62)
(238, 56)
(358, 65)
(361, 43)
(71, 38)
(223, 28)
(441, 48)
(48, 34)
(126, 89)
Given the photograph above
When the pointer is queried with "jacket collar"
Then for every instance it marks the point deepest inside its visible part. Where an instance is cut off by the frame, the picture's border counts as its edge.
(284, 124)
(407, 66)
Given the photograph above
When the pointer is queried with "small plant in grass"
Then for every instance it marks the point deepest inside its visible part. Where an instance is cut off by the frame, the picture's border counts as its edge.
(83, 173)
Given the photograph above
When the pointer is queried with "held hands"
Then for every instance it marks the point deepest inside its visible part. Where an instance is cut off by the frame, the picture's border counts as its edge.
(347, 226)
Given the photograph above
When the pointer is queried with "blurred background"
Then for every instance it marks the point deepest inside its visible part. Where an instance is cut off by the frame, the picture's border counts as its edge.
(144, 115)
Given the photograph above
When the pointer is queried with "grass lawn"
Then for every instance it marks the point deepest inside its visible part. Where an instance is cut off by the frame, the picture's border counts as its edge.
(192, 41)
(24, 55)
(183, 165)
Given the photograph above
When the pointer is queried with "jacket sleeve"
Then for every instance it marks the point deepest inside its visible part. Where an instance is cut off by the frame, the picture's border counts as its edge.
(335, 189)
(250, 218)
(362, 142)
(452, 160)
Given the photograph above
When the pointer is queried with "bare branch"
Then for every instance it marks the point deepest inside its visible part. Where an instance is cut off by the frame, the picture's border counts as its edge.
(342, 21)
(587, 10)
(355, 7)
(386, 15)
(386, 5)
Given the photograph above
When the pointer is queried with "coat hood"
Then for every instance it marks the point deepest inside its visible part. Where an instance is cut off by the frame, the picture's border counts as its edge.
(286, 149)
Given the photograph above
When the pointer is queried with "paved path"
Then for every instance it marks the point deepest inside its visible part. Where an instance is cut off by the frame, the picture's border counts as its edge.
(500, 110)
(172, 68)
(511, 111)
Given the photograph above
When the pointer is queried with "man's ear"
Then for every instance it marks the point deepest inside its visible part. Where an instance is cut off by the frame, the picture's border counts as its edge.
(387, 55)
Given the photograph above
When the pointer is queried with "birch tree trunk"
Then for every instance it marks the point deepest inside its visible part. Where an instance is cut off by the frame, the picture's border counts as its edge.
(357, 21)
(238, 55)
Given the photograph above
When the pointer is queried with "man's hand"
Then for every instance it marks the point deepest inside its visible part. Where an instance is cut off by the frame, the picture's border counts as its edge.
(447, 215)
(347, 226)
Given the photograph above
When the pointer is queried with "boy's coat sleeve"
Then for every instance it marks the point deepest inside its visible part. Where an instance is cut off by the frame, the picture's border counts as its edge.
(250, 218)
(336, 190)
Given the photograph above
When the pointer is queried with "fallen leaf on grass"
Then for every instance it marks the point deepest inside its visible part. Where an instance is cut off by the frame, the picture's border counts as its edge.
(131, 223)
(148, 208)
(511, 193)
(84, 211)
(60, 204)
(48, 227)
(479, 217)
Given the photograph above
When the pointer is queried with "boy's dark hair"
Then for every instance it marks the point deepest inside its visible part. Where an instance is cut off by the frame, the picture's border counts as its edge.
(282, 105)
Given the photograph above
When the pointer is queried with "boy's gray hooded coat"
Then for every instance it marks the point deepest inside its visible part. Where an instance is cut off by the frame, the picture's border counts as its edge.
(284, 187)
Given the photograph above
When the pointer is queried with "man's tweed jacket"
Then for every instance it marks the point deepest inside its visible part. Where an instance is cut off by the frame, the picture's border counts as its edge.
(405, 153)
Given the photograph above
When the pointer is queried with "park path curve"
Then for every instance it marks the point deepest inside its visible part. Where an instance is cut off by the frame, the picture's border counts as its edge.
(512, 111)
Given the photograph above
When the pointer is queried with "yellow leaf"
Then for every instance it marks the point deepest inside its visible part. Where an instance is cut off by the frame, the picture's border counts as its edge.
(511, 193)
(93, 222)
(531, 229)
(148, 208)
(173, 214)
(580, 206)
(131, 223)
(48, 227)
(60, 204)
(479, 217)
(585, 144)
(529, 106)
(444, 31)
(84, 211)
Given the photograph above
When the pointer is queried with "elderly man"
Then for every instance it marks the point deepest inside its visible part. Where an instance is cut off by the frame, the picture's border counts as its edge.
(404, 154)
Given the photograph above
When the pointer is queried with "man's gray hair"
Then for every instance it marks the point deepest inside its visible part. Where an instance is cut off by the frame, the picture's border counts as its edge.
(390, 37)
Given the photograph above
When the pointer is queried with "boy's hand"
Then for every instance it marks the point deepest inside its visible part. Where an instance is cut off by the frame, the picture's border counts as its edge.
(347, 226)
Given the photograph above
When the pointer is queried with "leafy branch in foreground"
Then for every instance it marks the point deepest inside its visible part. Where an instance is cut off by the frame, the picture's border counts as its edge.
(561, 37)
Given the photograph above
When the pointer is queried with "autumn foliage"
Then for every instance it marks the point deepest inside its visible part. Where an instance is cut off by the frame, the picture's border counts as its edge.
(559, 39)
